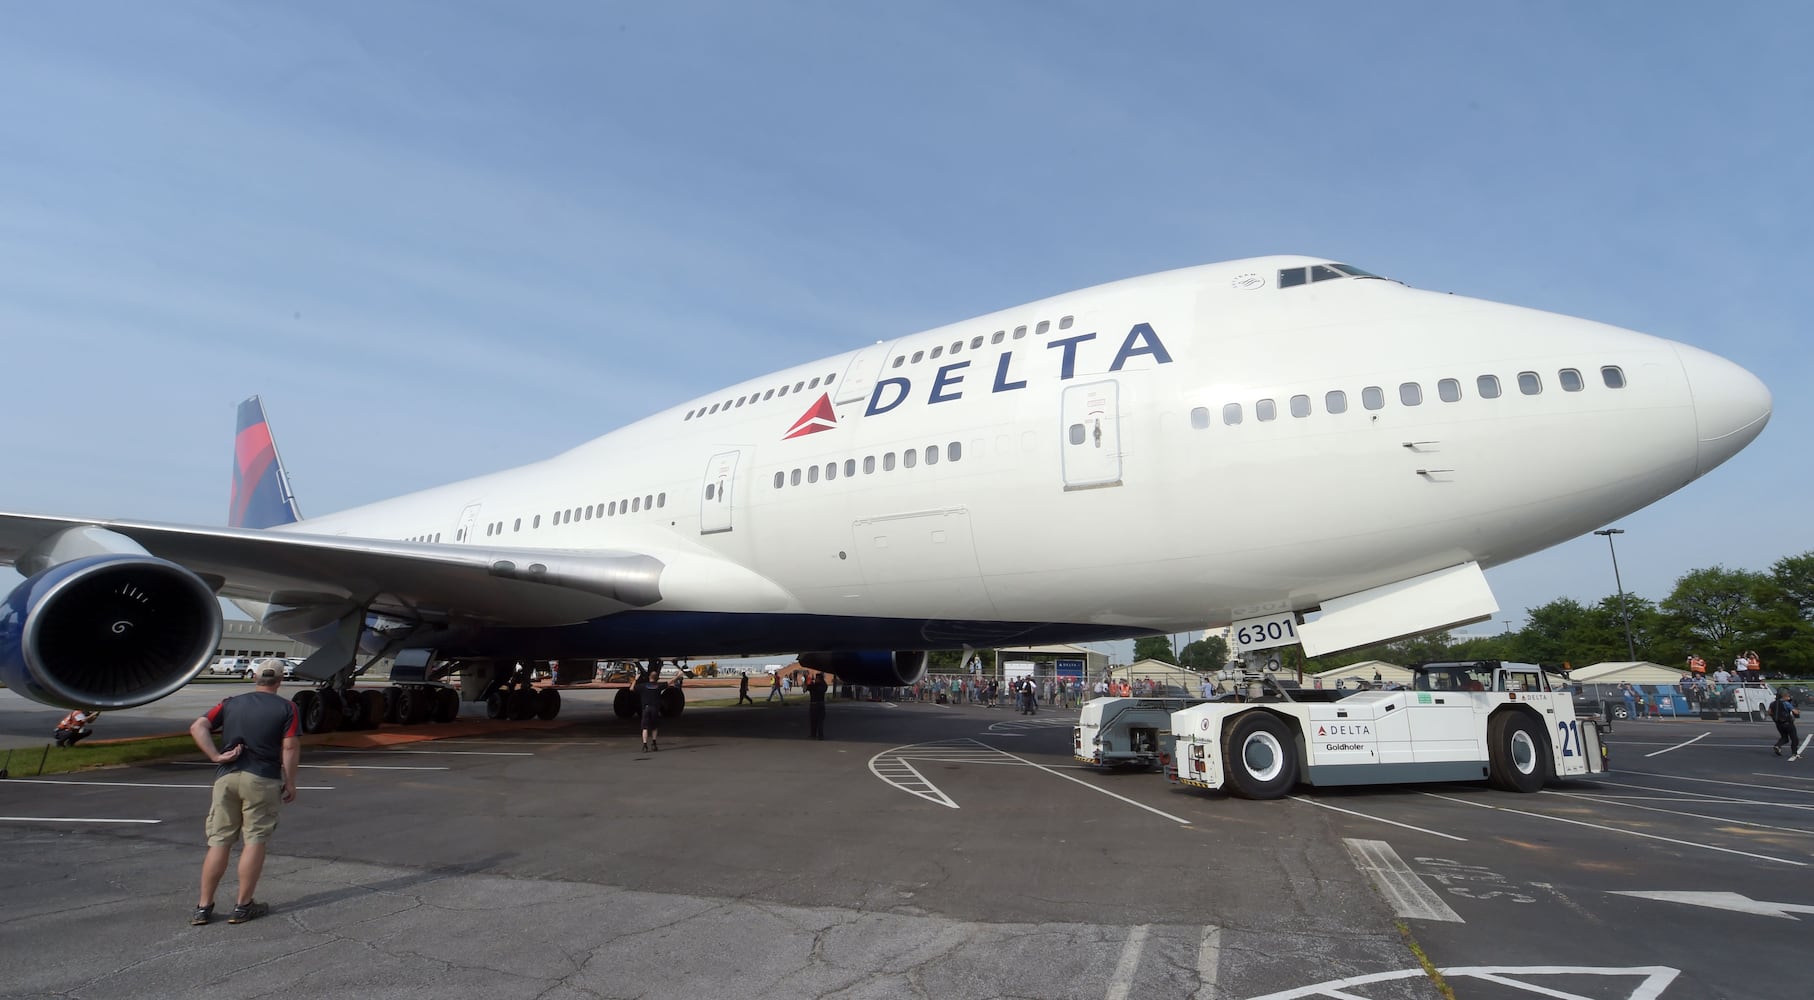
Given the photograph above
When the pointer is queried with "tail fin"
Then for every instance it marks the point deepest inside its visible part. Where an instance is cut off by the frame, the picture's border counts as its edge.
(261, 491)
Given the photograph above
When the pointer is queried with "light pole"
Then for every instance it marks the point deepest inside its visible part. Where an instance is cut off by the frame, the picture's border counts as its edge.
(1630, 650)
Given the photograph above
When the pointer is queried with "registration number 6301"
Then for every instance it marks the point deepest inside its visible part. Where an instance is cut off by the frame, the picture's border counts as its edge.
(1265, 633)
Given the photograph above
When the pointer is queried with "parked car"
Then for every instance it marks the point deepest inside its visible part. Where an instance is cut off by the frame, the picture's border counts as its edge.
(231, 666)
(289, 667)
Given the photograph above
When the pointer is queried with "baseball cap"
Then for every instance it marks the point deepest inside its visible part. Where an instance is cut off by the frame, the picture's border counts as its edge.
(268, 672)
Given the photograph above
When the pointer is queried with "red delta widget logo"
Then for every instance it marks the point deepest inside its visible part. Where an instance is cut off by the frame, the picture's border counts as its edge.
(819, 417)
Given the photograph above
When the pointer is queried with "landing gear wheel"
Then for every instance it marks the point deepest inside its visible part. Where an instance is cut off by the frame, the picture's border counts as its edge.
(1517, 755)
(673, 702)
(497, 704)
(328, 712)
(522, 704)
(377, 707)
(393, 696)
(547, 704)
(308, 709)
(413, 706)
(1260, 756)
(447, 705)
(624, 705)
(352, 709)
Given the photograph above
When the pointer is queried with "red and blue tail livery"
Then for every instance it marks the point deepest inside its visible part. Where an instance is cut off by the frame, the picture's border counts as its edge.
(261, 491)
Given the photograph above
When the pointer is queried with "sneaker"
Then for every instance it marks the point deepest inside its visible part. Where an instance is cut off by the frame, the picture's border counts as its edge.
(1794, 756)
(1777, 750)
(248, 911)
(202, 915)
(654, 747)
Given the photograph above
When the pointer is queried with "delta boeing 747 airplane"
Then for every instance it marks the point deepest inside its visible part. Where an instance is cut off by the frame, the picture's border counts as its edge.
(1310, 452)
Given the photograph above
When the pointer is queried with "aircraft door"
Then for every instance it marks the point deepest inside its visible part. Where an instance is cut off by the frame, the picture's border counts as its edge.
(1091, 443)
(860, 376)
(715, 495)
(469, 520)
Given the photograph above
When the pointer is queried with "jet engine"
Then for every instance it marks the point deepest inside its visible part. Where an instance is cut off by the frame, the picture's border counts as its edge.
(869, 667)
(107, 631)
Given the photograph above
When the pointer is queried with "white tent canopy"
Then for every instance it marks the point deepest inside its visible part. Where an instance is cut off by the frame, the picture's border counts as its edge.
(1626, 672)
(1389, 673)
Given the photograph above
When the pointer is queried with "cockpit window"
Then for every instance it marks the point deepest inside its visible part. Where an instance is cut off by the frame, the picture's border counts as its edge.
(1292, 276)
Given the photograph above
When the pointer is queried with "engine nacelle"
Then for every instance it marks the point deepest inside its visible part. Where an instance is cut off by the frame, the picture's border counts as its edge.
(107, 631)
(870, 667)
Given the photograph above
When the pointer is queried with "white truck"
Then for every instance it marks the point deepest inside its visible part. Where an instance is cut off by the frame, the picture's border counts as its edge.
(1457, 722)
(1126, 732)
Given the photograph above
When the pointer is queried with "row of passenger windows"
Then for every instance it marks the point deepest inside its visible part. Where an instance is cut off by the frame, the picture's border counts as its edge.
(1410, 394)
(976, 342)
(910, 457)
(757, 397)
(610, 508)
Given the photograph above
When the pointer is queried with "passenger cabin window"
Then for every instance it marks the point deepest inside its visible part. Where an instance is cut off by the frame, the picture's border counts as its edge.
(1064, 322)
(850, 467)
(1199, 418)
(780, 479)
(1487, 386)
(909, 458)
(1231, 413)
(1529, 383)
(918, 356)
(793, 478)
(1448, 390)
(888, 461)
(1570, 379)
(869, 465)
(1075, 434)
(932, 454)
(954, 451)
(831, 471)
(998, 336)
(936, 351)
(812, 473)
(899, 360)
(1044, 325)
(1613, 376)
(1335, 401)
(1019, 332)
(1300, 406)
(1410, 393)
(1265, 409)
(1373, 397)
(976, 342)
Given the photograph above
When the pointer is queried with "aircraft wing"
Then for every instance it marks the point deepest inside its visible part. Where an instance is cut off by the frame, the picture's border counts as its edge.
(435, 583)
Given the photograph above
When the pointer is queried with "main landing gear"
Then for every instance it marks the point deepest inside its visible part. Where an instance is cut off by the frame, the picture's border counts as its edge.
(628, 702)
(327, 709)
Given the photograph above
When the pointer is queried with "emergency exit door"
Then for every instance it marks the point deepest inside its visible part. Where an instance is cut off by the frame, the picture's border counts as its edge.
(716, 492)
(1091, 447)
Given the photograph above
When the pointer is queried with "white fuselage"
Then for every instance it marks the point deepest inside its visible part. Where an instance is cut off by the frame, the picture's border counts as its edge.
(1156, 453)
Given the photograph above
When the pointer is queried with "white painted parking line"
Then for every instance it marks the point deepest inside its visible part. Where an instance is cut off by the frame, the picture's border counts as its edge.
(1123, 979)
(1645, 836)
(1747, 785)
(1209, 963)
(1376, 819)
(1623, 801)
(1104, 791)
(1773, 774)
(137, 784)
(1680, 745)
(1805, 740)
(1407, 894)
(70, 819)
(1654, 979)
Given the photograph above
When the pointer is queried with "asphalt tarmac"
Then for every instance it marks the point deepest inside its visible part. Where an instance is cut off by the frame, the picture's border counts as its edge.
(922, 850)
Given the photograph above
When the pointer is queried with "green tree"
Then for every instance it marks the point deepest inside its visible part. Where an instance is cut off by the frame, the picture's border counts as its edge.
(1715, 609)
(1793, 580)
(1154, 647)
(1207, 653)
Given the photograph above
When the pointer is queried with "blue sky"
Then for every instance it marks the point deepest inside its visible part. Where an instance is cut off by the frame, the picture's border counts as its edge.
(445, 238)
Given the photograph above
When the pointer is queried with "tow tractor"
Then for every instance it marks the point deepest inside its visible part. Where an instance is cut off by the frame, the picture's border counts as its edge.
(1126, 732)
(1459, 721)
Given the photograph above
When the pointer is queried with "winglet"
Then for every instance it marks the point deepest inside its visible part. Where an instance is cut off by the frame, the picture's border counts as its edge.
(261, 490)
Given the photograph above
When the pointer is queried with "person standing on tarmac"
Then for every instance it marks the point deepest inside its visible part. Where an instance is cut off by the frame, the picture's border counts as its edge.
(815, 710)
(1784, 713)
(257, 775)
(743, 689)
(648, 690)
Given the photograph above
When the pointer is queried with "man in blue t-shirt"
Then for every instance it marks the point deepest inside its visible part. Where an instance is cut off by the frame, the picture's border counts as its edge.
(648, 690)
(257, 774)
(1783, 712)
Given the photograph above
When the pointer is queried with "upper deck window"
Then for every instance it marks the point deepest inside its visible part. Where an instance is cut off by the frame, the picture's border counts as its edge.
(1291, 276)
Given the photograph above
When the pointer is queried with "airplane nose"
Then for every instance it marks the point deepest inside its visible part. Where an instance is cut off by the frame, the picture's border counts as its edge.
(1731, 405)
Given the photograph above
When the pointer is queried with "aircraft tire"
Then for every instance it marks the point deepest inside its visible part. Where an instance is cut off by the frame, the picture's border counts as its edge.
(547, 704)
(352, 709)
(497, 705)
(1260, 756)
(328, 712)
(447, 705)
(673, 702)
(393, 697)
(412, 706)
(624, 704)
(1516, 753)
(307, 711)
(377, 707)
(522, 704)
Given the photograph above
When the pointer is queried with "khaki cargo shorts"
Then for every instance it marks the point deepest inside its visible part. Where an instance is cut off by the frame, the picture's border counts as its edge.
(244, 802)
